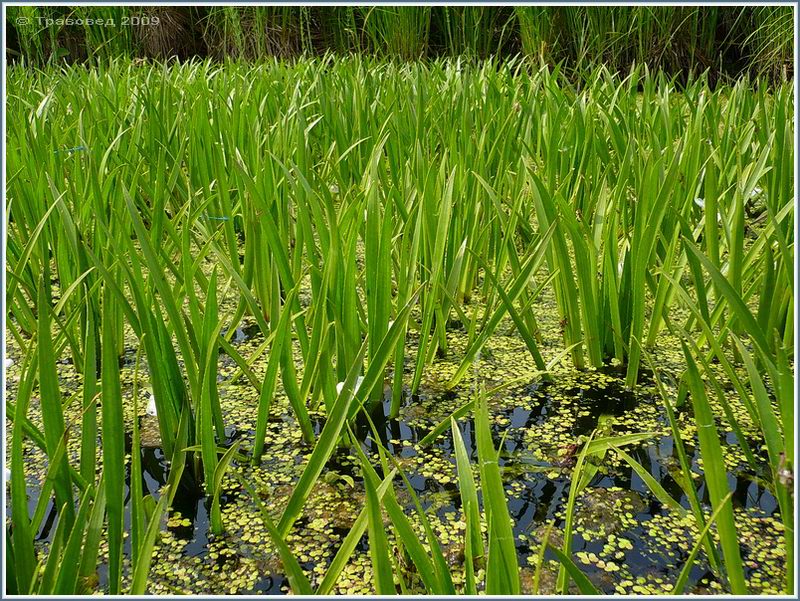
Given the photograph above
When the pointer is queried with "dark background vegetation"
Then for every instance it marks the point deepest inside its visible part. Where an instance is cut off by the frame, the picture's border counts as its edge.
(725, 40)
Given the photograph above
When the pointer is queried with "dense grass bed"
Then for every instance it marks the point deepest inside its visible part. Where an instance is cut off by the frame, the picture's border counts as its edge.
(350, 326)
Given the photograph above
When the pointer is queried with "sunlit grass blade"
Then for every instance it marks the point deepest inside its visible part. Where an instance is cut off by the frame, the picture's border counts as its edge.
(502, 571)
(655, 487)
(52, 412)
(469, 501)
(683, 577)
(436, 579)
(142, 566)
(49, 572)
(21, 535)
(91, 543)
(219, 473)
(537, 573)
(715, 476)
(67, 578)
(113, 445)
(346, 404)
(378, 543)
(348, 546)
(279, 336)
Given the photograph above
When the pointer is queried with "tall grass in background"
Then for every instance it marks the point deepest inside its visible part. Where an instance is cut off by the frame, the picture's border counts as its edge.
(256, 33)
(770, 40)
(661, 37)
(42, 39)
(679, 40)
(537, 32)
(376, 204)
(400, 31)
(474, 31)
(338, 28)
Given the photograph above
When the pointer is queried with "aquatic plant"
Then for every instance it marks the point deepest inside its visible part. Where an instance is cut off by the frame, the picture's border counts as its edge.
(355, 214)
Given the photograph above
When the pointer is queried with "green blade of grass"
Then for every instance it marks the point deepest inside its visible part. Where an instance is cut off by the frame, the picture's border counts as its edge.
(346, 404)
(378, 543)
(585, 585)
(219, 473)
(52, 411)
(22, 535)
(574, 490)
(468, 492)
(434, 579)
(113, 435)
(67, 577)
(655, 487)
(683, 577)
(141, 568)
(537, 573)
(298, 581)
(349, 544)
(502, 571)
(280, 334)
(473, 542)
(91, 543)
(49, 572)
(715, 476)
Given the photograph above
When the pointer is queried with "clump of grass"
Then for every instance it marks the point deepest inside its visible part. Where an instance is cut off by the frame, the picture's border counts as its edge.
(770, 40)
(400, 31)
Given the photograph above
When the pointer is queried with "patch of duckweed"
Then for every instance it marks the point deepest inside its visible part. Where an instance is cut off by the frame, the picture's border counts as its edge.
(624, 539)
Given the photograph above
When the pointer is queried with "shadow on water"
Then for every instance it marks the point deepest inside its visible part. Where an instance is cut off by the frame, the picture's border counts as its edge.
(190, 500)
(244, 333)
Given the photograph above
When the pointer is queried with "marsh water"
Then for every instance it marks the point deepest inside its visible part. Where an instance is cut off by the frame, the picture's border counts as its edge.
(624, 538)
(620, 523)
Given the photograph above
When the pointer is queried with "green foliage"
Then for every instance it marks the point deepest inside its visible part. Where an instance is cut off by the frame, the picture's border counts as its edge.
(357, 209)
(679, 40)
